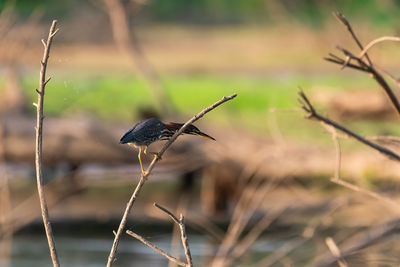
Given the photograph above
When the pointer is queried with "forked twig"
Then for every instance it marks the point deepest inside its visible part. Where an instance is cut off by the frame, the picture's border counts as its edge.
(181, 224)
(361, 65)
(346, 23)
(38, 146)
(307, 106)
(143, 178)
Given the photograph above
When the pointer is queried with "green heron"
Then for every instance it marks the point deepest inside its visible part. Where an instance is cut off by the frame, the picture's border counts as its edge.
(145, 132)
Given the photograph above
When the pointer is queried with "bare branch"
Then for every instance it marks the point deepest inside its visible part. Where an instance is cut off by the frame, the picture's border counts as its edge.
(185, 242)
(128, 43)
(38, 147)
(160, 251)
(143, 178)
(312, 114)
(372, 194)
(167, 212)
(362, 66)
(335, 251)
(181, 224)
(360, 241)
(346, 23)
(376, 41)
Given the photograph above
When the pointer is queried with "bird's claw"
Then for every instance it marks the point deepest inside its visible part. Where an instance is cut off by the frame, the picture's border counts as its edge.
(155, 154)
(145, 173)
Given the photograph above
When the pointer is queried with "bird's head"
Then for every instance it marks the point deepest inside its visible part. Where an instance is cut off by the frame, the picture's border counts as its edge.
(190, 129)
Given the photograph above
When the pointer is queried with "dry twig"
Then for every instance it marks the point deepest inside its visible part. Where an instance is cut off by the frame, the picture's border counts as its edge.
(376, 41)
(181, 224)
(335, 251)
(359, 64)
(38, 147)
(165, 254)
(360, 241)
(184, 239)
(312, 114)
(143, 178)
(128, 43)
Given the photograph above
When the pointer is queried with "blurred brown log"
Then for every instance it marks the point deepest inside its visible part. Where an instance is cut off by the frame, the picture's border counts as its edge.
(75, 140)
(356, 104)
(83, 140)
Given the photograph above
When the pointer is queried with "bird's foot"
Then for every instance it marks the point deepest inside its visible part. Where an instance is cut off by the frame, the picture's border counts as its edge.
(155, 154)
(145, 173)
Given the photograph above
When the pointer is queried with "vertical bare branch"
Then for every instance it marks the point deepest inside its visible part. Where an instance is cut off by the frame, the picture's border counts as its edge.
(38, 147)
(129, 44)
(143, 178)
(6, 225)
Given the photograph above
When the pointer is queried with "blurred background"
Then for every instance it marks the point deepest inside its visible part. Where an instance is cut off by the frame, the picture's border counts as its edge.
(260, 195)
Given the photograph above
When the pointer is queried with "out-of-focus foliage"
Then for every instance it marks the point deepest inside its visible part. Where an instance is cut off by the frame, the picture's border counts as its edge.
(310, 12)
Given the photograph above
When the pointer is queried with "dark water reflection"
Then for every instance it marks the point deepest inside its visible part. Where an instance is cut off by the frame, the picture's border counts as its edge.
(32, 250)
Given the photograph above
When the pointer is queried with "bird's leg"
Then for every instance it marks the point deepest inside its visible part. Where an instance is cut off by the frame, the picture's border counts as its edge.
(155, 154)
(140, 161)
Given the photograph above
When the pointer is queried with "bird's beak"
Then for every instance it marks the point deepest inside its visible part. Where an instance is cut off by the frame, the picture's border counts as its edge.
(204, 135)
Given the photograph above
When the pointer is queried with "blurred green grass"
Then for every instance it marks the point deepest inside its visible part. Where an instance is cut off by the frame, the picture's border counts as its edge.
(118, 98)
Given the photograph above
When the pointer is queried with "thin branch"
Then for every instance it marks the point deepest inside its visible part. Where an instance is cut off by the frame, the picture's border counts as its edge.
(360, 241)
(362, 66)
(369, 193)
(335, 251)
(38, 147)
(376, 41)
(336, 179)
(346, 23)
(128, 43)
(160, 251)
(170, 214)
(312, 114)
(181, 224)
(143, 178)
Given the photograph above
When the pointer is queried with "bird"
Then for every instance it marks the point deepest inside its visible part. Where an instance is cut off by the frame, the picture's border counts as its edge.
(147, 131)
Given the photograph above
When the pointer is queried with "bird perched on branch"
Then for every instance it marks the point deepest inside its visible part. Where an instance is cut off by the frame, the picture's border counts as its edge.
(145, 132)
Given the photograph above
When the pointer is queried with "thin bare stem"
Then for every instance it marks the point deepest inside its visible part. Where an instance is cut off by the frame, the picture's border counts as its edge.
(184, 239)
(360, 241)
(160, 251)
(170, 214)
(369, 193)
(312, 114)
(335, 251)
(125, 38)
(346, 23)
(143, 178)
(361, 65)
(38, 147)
(376, 41)
(336, 179)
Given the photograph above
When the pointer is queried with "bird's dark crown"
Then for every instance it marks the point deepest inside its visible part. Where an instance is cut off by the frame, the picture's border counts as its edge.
(190, 129)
